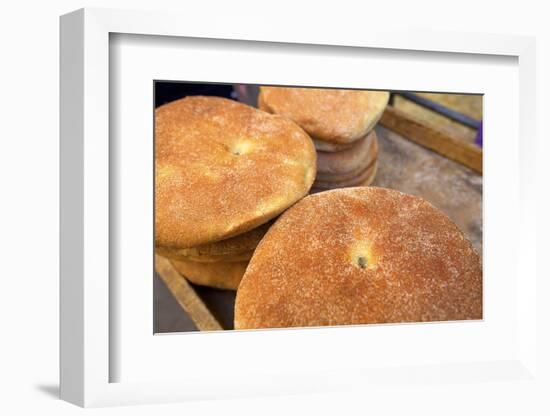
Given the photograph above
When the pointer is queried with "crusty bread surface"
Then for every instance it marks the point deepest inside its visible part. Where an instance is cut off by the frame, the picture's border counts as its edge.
(360, 256)
(238, 248)
(347, 163)
(331, 115)
(322, 146)
(175, 254)
(224, 168)
(363, 178)
(219, 275)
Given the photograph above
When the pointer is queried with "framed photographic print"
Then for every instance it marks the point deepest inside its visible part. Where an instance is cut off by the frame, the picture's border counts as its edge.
(273, 213)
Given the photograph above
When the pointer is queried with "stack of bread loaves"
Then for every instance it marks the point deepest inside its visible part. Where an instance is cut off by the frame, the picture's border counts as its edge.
(223, 171)
(341, 124)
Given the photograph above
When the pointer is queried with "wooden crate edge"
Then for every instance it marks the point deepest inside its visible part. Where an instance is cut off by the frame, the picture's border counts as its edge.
(444, 143)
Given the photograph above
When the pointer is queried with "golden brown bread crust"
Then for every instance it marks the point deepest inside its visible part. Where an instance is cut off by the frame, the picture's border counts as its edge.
(175, 254)
(364, 178)
(331, 115)
(347, 163)
(322, 146)
(367, 182)
(237, 248)
(219, 275)
(370, 179)
(359, 256)
(224, 168)
(345, 176)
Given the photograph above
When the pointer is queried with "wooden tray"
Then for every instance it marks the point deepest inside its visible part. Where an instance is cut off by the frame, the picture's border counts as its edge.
(413, 157)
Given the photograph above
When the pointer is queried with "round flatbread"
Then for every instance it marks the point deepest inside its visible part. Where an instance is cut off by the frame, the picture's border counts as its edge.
(365, 178)
(224, 168)
(175, 254)
(330, 115)
(360, 256)
(322, 146)
(237, 248)
(352, 176)
(219, 275)
(347, 163)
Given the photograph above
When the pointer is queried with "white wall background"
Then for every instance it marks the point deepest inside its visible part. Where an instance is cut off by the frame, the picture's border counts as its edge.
(29, 116)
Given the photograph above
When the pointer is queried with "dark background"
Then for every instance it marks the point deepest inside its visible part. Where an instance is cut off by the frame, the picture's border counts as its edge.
(170, 91)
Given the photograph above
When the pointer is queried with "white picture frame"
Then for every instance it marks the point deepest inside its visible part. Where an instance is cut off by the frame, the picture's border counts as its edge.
(89, 321)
